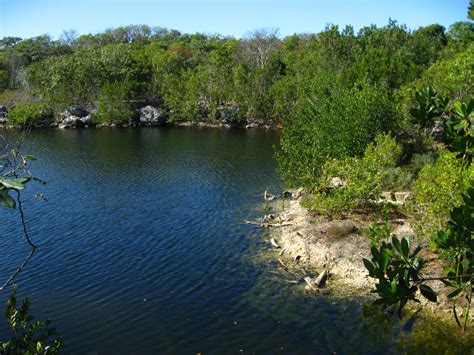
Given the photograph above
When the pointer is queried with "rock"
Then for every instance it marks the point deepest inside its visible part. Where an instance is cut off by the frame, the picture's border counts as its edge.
(151, 116)
(76, 111)
(251, 125)
(87, 121)
(298, 193)
(337, 182)
(228, 112)
(340, 228)
(402, 196)
(437, 130)
(389, 196)
(3, 114)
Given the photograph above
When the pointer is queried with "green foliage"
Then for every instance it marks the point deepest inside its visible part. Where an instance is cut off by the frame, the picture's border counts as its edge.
(459, 130)
(363, 177)
(452, 77)
(24, 114)
(27, 335)
(338, 123)
(438, 190)
(382, 231)
(456, 242)
(114, 104)
(429, 107)
(397, 270)
(211, 77)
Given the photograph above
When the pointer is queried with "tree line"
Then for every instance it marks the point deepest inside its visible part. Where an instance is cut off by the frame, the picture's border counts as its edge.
(211, 77)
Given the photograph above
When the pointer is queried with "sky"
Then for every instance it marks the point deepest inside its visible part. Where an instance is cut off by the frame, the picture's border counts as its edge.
(29, 18)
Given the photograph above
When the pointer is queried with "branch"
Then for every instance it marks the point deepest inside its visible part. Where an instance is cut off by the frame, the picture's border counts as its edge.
(440, 278)
(28, 240)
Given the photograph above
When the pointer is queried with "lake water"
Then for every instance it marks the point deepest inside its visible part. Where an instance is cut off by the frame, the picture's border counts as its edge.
(143, 249)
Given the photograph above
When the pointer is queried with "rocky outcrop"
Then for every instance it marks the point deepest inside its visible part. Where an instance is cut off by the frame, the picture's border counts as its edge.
(74, 117)
(77, 111)
(3, 114)
(151, 116)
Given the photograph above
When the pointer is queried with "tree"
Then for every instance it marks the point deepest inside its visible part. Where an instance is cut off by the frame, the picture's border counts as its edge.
(27, 336)
(257, 46)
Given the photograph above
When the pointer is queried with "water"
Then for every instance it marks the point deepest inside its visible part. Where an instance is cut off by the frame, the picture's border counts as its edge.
(142, 249)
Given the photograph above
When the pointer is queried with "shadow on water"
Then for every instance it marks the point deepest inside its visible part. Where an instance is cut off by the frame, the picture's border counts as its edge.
(329, 323)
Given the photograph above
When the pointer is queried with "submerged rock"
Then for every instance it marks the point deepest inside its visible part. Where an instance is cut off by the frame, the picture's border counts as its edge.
(151, 116)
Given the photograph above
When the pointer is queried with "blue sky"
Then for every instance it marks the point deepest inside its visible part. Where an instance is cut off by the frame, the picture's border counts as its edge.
(27, 18)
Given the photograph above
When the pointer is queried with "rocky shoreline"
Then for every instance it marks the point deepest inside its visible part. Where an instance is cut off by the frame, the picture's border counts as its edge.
(146, 116)
(300, 239)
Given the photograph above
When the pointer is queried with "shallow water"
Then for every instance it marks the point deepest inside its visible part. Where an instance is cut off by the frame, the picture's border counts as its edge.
(142, 249)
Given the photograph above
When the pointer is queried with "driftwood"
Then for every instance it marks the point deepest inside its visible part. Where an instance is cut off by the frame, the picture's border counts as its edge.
(321, 280)
(268, 197)
(274, 243)
(281, 262)
(308, 280)
(282, 224)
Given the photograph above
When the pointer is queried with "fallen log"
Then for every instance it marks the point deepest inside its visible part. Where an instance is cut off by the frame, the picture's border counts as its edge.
(308, 280)
(283, 224)
(268, 197)
(321, 279)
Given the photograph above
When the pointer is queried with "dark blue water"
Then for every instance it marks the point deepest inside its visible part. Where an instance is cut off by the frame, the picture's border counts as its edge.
(142, 249)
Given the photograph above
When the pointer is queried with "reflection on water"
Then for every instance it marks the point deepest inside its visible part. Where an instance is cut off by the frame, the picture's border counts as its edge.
(142, 249)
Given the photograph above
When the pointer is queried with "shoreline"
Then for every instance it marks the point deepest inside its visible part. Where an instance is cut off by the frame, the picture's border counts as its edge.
(203, 124)
(303, 240)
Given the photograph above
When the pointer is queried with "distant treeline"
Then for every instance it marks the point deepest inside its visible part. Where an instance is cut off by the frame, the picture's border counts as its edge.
(260, 76)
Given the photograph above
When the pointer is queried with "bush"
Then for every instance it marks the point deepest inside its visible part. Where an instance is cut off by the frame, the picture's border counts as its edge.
(337, 123)
(33, 113)
(363, 177)
(114, 105)
(437, 191)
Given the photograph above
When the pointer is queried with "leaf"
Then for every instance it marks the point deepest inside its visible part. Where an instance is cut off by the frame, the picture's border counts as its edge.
(29, 157)
(397, 245)
(384, 260)
(16, 184)
(405, 248)
(455, 293)
(6, 199)
(428, 293)
(369, 266)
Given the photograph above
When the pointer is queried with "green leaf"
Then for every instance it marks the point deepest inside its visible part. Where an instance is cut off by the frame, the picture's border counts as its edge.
(396, 244)
(369, 266)
(405, 248)
(384, 260)
(428, 293)
(29, 157)
(15, 184)
(6, 199)
(455, 293)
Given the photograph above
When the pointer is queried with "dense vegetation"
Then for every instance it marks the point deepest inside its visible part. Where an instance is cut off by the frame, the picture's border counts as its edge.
(381, 109)
(334, 78)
